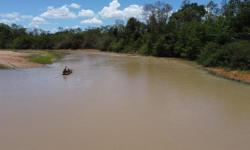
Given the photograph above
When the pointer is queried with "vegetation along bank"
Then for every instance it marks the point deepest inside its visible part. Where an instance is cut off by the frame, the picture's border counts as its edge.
(27, 59)
(213, 35)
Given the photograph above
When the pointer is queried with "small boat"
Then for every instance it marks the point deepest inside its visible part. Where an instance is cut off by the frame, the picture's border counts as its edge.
(68, 72)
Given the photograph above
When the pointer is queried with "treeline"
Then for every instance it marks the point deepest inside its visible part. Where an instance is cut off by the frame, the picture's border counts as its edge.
(212, 35)
(17, 37)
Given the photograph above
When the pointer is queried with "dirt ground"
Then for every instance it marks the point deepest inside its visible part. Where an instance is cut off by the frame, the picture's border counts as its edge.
(15, 60)
(231, 74)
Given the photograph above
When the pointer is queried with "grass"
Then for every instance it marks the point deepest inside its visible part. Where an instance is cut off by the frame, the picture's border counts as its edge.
(44, 57)
(3, 67)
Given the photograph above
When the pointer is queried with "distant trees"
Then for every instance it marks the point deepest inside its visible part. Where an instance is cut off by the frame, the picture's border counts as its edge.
(212, 35)
(5, 36)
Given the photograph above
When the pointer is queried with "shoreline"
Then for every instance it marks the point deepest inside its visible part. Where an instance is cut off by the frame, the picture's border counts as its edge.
(234, 75)
(24, 59)
(15, 60)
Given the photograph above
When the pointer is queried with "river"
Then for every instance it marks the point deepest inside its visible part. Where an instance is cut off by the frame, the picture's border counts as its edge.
(120, 102)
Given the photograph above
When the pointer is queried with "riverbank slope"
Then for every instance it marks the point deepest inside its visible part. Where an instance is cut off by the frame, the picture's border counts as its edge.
(15, 60)
(26, 59)
(241, 76)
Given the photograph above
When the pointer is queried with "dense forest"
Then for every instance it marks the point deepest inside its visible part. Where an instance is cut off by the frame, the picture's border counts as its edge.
(212, 34)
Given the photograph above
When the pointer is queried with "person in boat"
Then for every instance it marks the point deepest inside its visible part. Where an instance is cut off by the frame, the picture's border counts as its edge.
(66, 69)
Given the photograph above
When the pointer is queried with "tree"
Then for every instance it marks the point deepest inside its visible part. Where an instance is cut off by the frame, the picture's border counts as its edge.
(157, 16)
(212, 9)
(212, 35)
(189, 12)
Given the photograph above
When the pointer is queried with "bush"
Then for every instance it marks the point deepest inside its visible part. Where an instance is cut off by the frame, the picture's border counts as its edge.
(147, 48)
(23, 42)
(209, 55)
(233, 55)
(143, 49)
(239, 54)
(116, 46)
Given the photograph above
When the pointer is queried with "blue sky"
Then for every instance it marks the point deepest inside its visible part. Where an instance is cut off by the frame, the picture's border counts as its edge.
(51, 14)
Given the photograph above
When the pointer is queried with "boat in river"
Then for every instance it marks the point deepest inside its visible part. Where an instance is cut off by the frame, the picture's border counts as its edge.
(67, 72)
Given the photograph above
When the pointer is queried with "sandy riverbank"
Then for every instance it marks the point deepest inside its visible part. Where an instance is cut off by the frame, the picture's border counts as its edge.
(15, 60)
(241, 76)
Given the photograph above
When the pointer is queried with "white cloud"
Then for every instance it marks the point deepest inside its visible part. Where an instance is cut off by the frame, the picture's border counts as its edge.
(58, 13)
(75, 27)
(26, 17)
(86, 13)
(133, 11)
(13, 17)
(75, 6)
(6, 21)
(171, 13)
(72, 27)
(36, 21)
(113, 11)
(69, 11)
(93, 21)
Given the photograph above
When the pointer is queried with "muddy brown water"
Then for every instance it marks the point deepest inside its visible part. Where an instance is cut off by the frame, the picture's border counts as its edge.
(119, 102)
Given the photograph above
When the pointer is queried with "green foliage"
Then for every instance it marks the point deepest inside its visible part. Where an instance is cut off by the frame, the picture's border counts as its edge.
(116, 46)
(210, 55)
(5, 36)
(22, 42)
(189, 12)
(238, 54)
(214, 36)
(234, 55)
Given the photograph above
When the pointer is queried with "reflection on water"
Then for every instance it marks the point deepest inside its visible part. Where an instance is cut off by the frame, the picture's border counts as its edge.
(114, 102)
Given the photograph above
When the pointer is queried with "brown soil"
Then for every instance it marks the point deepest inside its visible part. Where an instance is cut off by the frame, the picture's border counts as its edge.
(241, 76)
(15, 60)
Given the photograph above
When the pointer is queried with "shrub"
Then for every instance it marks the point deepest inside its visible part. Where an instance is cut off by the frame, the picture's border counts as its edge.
(234, 55)
(209, 55)
(239, 54)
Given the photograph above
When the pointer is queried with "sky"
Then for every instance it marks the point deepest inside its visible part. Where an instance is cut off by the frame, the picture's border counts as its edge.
(52, 14)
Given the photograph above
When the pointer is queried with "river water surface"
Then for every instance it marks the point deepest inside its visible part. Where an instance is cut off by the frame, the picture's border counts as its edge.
(119, 102)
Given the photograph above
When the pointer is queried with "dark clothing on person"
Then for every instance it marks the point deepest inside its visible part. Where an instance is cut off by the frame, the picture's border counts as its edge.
(66, 69)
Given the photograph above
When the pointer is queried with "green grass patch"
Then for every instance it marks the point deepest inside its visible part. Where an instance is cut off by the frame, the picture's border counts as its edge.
(3, 66)
(44, 57)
